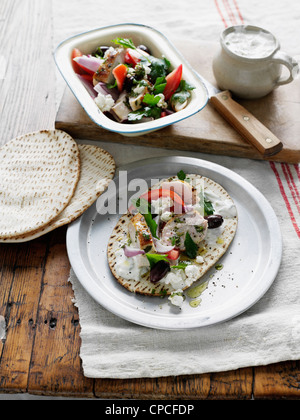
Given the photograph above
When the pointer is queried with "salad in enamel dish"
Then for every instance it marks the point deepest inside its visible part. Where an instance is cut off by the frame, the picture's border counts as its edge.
(129, 85)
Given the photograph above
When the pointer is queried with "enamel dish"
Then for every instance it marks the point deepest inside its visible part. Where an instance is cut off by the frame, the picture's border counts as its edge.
(248, 268)
(158, 44)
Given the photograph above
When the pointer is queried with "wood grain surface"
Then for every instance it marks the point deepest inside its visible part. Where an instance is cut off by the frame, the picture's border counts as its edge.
(40, 354)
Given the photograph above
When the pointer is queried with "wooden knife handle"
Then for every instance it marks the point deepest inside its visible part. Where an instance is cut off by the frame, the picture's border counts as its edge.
(246, 124)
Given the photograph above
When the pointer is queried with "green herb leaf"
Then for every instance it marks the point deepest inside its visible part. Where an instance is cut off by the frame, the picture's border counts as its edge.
(154, 258)
(183, 92)
(124, 42)
(159, 85)
(191, 248)
(112, 85)
(151, 100)
(153, 112)
(180, 266)
(181, 175)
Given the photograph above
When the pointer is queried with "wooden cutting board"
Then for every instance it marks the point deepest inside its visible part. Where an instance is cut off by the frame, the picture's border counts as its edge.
(207, 131)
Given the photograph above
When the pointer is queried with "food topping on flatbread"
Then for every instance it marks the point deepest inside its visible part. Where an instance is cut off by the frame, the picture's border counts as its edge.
(172, 235)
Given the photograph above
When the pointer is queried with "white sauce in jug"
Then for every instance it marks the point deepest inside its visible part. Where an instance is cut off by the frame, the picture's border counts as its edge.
(249, 43)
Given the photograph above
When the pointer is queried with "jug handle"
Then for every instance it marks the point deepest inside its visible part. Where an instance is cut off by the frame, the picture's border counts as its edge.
(281, 57)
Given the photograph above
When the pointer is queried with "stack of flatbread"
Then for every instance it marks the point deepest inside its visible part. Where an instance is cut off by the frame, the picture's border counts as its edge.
(47, 180)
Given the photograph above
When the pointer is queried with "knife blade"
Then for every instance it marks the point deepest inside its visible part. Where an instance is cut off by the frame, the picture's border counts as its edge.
(248, 126)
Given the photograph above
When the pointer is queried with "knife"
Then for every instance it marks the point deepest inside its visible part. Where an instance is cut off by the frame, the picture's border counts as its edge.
(243, 121)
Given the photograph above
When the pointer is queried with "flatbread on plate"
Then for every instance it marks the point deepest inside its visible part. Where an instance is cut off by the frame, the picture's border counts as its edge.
(212, 247)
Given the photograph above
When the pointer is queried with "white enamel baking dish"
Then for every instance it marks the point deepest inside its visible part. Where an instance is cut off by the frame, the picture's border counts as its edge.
(159, 46)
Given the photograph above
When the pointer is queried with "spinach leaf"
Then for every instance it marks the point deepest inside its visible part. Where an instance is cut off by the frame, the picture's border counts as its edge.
(208, 207)
(159, 67)
(151, 224)
(154, 258)
(144, 207)
(191, 248)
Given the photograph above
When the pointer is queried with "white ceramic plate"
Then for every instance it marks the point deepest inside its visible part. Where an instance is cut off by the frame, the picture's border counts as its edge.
(158, 44)
(249, 266)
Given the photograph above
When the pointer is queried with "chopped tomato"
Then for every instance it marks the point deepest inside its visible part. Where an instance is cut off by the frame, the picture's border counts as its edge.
(173, 255)
(156, 194)
(178, 207)
(76, 67)
(173, 81)
(120, 73)
(163, 114)
(132, 57)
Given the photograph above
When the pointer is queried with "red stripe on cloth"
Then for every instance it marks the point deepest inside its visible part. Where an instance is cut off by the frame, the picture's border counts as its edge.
(292, 185)
(284, 196)
(220, 13)
(229, 11)
(297, 169)
(238, 11)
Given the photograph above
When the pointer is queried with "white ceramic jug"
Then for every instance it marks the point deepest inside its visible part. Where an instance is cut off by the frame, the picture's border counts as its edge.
(249, 62)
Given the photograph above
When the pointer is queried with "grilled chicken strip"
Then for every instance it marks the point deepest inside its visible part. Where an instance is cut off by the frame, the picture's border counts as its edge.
(139, 232)
(112, 58)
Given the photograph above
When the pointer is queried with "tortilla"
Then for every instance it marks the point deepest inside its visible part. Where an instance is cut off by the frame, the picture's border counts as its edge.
(39, 173)
(212, 247)
(97, 170)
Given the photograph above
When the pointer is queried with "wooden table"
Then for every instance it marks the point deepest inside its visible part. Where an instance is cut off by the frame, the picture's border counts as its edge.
(41, 352)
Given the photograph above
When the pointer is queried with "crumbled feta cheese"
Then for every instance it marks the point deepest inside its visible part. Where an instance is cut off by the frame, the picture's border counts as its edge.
(161, 205)
(192, 272)
(139, 89)
(104, 102)
(147, 68)
(177, 298)
(199, 259)
(166, 216)
(162, 103)
(108, 52)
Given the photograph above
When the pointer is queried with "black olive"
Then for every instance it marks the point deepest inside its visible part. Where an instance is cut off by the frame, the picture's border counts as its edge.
(144, 48)
(101, 50)
(214, 221)
(159, 270)
(128, 83)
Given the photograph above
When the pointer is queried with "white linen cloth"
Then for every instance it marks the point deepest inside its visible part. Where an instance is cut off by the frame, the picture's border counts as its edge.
(269, 332)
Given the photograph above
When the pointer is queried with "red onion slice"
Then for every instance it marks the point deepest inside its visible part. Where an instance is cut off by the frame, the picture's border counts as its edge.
(132, 252)
(89, 62)
(160, 248)
(102, 88)
(88, 85)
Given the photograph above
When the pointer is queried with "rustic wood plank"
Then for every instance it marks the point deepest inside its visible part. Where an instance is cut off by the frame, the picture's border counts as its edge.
(21, 273)
(27, 89)
(277, 381)
(224, 385)
(55, 363)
